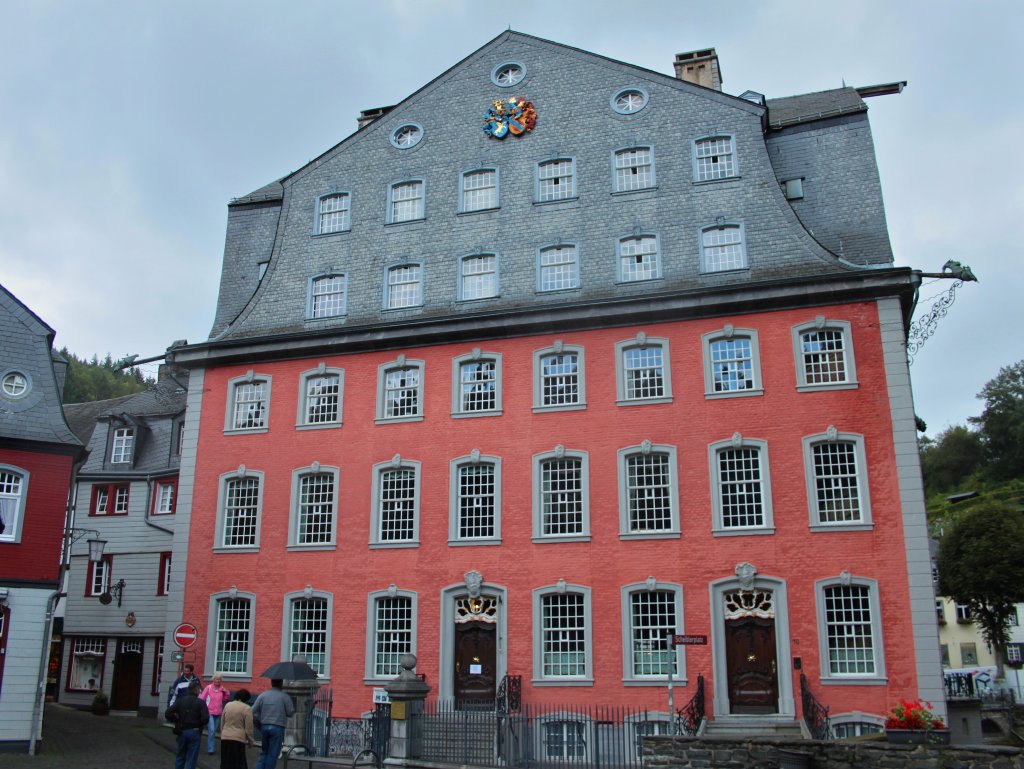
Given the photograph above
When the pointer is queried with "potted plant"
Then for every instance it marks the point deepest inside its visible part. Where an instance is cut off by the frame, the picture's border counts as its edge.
(912, 722)
(100, 704)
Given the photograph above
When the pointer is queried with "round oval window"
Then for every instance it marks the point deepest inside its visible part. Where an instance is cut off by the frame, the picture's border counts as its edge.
(629, 101)
(508, 74)
(406, 136)
(15, 384)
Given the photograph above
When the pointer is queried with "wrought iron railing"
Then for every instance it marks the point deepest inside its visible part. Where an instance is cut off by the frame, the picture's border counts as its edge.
(815, 714)
(318, 721)
(690, 717)
(959, 686)
(510, 694)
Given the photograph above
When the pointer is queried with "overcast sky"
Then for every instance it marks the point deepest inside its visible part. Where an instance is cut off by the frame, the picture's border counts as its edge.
(126, 126)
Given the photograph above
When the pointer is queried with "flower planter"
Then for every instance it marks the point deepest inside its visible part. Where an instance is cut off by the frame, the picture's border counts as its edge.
(917, 736)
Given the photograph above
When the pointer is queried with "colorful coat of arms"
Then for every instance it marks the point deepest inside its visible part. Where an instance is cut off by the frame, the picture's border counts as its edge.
(509, 116)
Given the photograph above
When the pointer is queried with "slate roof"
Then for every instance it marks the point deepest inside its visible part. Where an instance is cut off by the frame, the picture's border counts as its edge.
(807, 107)
(272, 191)
(81, 417)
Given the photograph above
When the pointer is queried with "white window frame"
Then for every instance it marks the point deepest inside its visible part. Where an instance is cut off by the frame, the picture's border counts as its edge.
(466, 192)
(727, 335)
(583, 732)
(702, 177)
(629, 675)
(288, 651)
(641, 241)
(566, 184)
(241, 474)
(622, 349)
(480, 275)
(122, 445)
(475, 357)
(856, 441)
(13, 500)
(877, 641)
(559, 348)
(820, 323)
(624, 159)
(214, 634)
(406, 136)
(708, 248)
(93, 649)
(343, 213)
(508, 74)
(540, 494)
(739, 442)
(419, 209)
(963, 613)
(540, 633)
(371, 673)
(295, 514)
(853, 724)
(307, 381)
(235, 385)
(99, 576)
(337, 296)
(623, 102)
(377, 503)
(474, 459)
(646, 449)
(399, 364)
(567, 264)
(414, 299)
(165, 497)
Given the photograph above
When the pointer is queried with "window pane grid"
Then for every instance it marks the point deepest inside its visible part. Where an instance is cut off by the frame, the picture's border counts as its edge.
(739, 478)
(121, 499)
(644, 373)
(404, 287)
(121, 451)
(562, 497)
(559, 268)
(732, 365)
(633, 170)
(565, 740)
(650, 499)
(835, 478)
(723, 249)
(334, 212)
(638, 258)
(240, 508)
(165, 498)
(479, 276)
(102, 498)
(322, 397)
(397, 505)
(555, 180)
(476, 502)
(407, 201)
(250, 406)
(393, 634)
(653, 620)
(401, 392)
(100, 577)
(560, 379)
(232, 640)
(848, 626)
(329, 296)
(824, 356)
(309, 632)
(478, 386)
(563, 635)
(316, 509)
(480, 190)
(714, 158)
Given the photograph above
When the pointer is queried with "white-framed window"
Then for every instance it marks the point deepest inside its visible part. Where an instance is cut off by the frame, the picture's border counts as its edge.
(479, 190)
(940, 611)
(239, 504)
(395, 508)
(404, 286)
(741, 494)
(478, 277)
(963, 614)
(633, 169)
(648, 724)
(333, 213)
(307, 632)
(639, 258)
(558, 267)
(15, 384)
(1015, 653)
(648, 491)
(723, 248)
(230, 640)
(407, 136)
(652, 612)
(824, 355)
(13, 493)
(328, 296)
(561, 496)
(476, 384)
(565, 737)
(837, 480)
(313, 520)
(390, 632)
(714, 157)
(846, 725)
(556, 180)
(248, 403)
(629, 101)
(562, 644)
(99, 576)
(165, 497)
(508, 74)
(559, 378)
(475, 494)
(406, 201)
(121, 445)
(87, 657)
(400, 390)
(163, 577)
(850, 630)
(732, 363)
(321, 396)
(643, 371)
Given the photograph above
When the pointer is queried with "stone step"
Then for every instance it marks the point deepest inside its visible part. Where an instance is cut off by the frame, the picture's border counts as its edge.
(752, 727)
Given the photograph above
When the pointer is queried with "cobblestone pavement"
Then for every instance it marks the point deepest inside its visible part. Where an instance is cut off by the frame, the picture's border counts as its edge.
(76, 739)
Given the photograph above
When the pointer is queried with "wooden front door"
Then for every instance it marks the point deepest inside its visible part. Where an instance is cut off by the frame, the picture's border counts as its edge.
(752, 666)
(476, 666)
(124, 694)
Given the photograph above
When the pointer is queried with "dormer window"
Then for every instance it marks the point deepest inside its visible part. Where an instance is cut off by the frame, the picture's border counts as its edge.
(121, 448)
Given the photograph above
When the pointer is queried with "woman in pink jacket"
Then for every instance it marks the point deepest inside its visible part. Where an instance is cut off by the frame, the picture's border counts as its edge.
(216, 697)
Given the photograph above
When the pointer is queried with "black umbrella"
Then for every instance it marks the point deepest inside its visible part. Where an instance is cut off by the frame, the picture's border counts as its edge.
(293, 671)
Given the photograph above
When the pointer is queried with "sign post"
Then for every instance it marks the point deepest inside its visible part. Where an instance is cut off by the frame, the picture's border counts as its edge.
(674, 640)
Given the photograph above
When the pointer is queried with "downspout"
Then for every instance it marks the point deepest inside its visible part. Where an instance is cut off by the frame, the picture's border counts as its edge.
(36, 733)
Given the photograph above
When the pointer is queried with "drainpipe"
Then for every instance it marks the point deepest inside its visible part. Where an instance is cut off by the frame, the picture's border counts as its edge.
(36, 732)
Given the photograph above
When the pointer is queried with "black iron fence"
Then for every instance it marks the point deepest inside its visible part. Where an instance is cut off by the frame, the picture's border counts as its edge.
(328, 736)
(815, 714)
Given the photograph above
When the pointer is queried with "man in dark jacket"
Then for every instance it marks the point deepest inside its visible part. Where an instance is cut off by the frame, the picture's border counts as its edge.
(189, 714)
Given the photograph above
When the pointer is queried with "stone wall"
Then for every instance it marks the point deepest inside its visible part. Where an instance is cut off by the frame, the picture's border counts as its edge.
(764, 753)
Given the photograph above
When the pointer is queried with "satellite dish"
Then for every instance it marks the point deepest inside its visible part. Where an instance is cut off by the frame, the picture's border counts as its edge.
(106, 598)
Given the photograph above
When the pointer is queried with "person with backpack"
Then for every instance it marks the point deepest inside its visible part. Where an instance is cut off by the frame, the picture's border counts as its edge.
(216, 696)
(188, 714)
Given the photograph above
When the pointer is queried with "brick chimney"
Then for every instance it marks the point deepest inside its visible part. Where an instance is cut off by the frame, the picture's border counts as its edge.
(699, 68)
(367, 116)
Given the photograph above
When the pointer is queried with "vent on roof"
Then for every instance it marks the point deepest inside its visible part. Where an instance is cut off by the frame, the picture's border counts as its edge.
(793, 189)
(367, 116)
(753, 96)
(700, 68)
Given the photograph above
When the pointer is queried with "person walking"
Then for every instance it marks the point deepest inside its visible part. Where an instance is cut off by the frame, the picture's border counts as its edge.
(236, 732)
(272, 709)
(216, 697)
(188, 713)
(182, 682)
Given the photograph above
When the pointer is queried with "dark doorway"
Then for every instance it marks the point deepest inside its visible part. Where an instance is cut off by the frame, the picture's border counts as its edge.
(124, 694)
(753, 671)
(476, 672)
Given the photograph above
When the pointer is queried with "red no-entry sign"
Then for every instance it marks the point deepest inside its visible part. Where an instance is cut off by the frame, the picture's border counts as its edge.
(185, 635)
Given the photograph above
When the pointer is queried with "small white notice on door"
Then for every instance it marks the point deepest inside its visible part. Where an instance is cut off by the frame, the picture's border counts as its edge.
(475, 670)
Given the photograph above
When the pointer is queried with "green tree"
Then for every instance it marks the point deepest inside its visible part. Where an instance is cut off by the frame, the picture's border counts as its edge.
(981, 564)
(98, 380)
(955, 455)
(1001, 424)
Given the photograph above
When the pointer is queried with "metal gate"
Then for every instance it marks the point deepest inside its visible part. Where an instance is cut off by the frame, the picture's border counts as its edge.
(318, 721)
